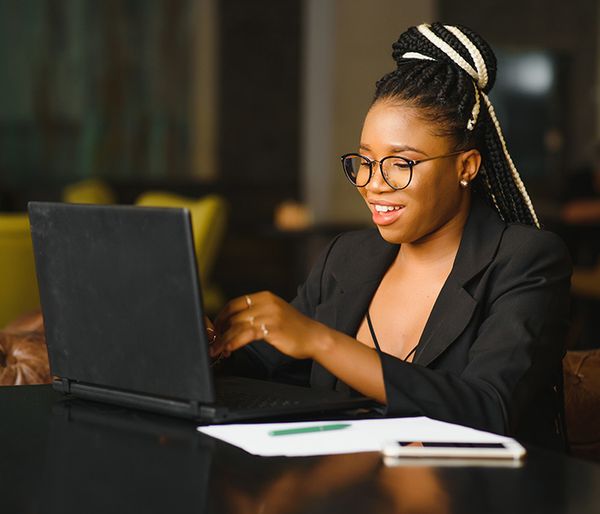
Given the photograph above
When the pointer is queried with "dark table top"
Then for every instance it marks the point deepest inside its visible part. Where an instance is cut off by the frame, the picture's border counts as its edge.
(61, 456)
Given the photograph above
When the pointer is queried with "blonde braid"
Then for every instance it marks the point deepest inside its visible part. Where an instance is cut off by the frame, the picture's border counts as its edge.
(448, 50)
(482, 73)
(513, 169)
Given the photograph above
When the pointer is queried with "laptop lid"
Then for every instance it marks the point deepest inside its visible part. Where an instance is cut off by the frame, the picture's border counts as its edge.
(119, 291)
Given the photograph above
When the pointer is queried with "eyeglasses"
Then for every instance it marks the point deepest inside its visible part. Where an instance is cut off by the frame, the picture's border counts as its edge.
(396, 171)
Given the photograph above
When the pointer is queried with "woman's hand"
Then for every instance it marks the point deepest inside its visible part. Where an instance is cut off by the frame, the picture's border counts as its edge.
(211, 335)
(266, 316)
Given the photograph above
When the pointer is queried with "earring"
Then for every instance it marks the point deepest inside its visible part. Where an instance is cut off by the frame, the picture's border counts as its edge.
(464, 183)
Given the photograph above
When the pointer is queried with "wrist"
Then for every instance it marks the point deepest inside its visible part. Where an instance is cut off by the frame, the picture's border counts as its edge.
(323, 342)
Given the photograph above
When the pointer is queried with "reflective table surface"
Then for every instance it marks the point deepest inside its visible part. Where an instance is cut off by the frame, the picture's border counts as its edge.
(69, 456)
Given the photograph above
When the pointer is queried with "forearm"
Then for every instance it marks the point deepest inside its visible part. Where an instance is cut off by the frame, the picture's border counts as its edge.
(352, 362)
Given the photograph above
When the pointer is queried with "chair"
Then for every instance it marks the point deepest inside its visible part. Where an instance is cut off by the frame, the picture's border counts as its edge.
(88, 191)
(23, 352)
(582, 402)
(19, 291)
(209, 218)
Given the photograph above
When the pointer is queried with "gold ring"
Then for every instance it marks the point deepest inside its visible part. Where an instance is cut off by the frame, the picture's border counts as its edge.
(264, 329)
(248, 301)
(211, 335)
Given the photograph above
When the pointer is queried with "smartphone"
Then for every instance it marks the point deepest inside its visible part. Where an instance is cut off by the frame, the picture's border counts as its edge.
(509, 449)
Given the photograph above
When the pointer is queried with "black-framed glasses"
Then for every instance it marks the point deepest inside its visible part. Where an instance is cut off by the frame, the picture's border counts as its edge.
(396, 171)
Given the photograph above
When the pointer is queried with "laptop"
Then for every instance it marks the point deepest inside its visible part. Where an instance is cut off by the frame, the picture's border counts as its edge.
(124, 320)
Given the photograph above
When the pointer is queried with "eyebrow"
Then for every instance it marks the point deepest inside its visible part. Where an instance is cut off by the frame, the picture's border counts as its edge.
(396, 149)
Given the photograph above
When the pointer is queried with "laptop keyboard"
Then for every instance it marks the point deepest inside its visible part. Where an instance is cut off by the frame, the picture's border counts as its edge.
(243, 400)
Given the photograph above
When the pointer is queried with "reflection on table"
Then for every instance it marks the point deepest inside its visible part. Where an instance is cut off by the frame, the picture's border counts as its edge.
(73, 456)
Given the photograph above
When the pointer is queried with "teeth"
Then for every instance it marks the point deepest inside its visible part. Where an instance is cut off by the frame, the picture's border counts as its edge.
(386, 208)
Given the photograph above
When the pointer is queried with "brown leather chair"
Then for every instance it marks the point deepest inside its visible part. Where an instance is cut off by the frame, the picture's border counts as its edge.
(582, 402)
(23, 354)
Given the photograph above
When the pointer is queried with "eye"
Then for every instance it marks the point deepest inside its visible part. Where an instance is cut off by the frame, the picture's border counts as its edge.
(401, 165)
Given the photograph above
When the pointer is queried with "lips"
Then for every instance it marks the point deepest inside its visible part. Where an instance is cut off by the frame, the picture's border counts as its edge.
(386, 213)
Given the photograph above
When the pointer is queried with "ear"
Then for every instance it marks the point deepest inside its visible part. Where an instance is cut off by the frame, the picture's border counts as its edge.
(468, 164)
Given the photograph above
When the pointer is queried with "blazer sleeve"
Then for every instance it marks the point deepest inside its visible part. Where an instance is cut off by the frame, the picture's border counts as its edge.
(516, 355)
(261, 360)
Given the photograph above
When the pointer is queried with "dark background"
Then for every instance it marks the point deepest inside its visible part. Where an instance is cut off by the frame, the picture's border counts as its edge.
(105, 90)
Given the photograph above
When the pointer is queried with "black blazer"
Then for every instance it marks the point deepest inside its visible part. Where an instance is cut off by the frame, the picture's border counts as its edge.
(490, 354)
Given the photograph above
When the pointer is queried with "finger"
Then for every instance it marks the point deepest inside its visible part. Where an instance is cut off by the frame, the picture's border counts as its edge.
(234, 306)
(208, 324)
(224, 338)
(241, 338)
(211, 333)
(218, 346)
(252, 316)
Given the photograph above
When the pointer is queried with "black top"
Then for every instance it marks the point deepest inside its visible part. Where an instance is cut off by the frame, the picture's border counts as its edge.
(490, 354)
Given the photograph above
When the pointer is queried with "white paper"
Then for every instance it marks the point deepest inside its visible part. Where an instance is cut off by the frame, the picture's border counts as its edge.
(362, 436)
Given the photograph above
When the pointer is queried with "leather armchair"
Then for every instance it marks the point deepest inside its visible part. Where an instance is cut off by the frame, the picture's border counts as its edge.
(582, 402)
(23, 353)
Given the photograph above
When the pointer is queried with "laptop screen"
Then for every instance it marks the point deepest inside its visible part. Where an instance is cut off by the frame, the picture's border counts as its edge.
(121, 298)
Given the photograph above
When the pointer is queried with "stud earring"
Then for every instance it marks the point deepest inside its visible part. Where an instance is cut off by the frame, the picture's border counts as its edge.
(464, 183)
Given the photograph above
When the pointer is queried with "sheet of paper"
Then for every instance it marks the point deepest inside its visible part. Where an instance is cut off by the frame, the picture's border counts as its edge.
(361, 436)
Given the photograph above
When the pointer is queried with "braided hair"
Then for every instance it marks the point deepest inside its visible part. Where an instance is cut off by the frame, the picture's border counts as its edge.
(447, 71)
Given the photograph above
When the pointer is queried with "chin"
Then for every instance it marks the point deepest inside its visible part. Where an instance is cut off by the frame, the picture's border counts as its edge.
(393, 235)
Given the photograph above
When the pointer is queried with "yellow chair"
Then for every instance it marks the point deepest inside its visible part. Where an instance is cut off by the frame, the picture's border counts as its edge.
(209, 219)
(18, 282)
(88, 191)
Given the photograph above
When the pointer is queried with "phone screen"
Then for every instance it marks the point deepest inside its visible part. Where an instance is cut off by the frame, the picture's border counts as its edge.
(451, 445)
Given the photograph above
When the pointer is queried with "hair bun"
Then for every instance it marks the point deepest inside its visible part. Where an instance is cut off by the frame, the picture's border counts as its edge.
(453, 44)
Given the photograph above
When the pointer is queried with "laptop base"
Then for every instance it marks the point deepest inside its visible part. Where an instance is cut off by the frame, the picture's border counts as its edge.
(246, 399)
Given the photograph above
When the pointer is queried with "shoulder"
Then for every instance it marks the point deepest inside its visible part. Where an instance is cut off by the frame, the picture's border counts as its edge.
(526, 243)
(530, 258)
(358, 245)
(354, 257)
(363, 238)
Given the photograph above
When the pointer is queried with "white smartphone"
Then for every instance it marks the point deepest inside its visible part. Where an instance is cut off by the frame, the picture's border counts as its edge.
(509, 449)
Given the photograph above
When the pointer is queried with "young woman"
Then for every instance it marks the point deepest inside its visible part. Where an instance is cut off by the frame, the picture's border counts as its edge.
(455, 306)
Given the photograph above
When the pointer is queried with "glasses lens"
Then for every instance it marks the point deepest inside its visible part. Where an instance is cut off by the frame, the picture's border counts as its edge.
(397, 172)
(357, 169)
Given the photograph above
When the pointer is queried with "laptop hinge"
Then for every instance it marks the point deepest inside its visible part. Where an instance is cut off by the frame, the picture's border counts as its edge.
(62, 385)
(194, 408)
(202, 411)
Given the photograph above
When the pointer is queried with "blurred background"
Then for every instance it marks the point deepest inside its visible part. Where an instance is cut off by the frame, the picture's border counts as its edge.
(250, 103)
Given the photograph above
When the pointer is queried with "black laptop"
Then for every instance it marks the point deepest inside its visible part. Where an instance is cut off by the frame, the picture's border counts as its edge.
(124, 320)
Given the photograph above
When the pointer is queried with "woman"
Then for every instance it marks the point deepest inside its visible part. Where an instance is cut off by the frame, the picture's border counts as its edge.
(456, 306)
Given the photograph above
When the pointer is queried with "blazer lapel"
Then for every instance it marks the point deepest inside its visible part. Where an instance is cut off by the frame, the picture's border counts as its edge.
(451, 314)
(454, 306)
(356, 286)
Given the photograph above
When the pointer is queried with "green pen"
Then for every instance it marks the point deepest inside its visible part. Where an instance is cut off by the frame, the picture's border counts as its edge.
(306, 430)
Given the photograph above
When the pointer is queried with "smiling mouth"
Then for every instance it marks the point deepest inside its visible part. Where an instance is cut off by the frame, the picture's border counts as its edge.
(386, 214)
(387, 208)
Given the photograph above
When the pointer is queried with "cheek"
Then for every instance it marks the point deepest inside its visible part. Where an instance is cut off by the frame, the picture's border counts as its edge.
(425, 194)
(432, 202)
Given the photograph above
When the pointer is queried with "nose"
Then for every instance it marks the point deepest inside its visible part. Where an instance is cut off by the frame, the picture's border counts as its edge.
(377, 184)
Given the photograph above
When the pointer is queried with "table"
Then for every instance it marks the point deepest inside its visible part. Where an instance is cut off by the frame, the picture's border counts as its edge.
(70, 456)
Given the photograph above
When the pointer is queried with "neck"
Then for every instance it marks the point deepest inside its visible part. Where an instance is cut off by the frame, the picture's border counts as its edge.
(439, 248)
